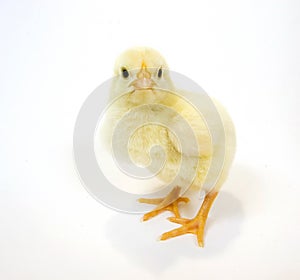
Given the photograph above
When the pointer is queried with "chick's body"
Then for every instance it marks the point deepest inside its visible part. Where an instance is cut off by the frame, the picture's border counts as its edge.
(149, 97)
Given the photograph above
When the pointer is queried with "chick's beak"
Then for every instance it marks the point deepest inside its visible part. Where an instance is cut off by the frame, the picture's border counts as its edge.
(143, 79)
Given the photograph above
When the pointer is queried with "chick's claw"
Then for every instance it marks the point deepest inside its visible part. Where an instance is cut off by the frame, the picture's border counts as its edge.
(173, 207)
(196, 225)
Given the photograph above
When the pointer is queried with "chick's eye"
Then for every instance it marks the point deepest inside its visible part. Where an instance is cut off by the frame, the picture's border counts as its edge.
(125, 72)
(159, 73)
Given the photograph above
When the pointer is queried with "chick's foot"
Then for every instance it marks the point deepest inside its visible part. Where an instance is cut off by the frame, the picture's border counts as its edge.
(173, 207)
(169, 203)
(196, 225)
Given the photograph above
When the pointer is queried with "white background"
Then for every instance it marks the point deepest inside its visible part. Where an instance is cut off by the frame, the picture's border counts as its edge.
(53, 54)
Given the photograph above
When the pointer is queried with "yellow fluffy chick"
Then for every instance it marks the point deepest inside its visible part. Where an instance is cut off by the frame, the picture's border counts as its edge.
(143, 87)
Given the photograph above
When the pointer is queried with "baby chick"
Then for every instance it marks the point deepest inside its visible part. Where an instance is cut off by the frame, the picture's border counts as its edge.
(143, 87)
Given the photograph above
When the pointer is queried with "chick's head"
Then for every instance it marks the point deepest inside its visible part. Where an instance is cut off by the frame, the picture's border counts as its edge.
(141, 72)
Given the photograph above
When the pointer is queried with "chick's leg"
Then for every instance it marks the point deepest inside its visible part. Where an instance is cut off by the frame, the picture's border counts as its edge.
(169, 203)
(196, 225)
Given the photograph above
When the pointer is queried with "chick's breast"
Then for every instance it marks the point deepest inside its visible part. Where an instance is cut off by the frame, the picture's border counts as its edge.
(163, 141)
(178, 154)
(151, 147)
